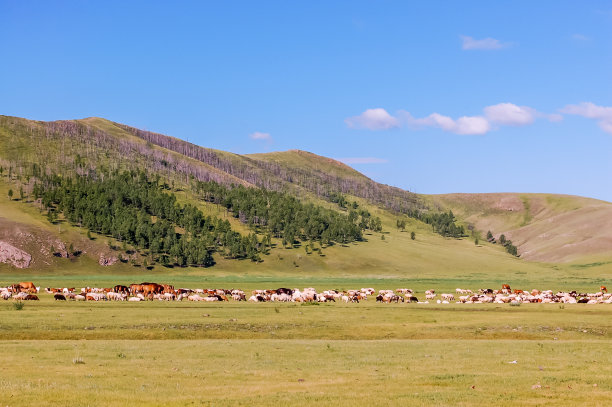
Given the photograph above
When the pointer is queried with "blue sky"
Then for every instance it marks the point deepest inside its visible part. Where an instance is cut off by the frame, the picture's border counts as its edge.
(430, 96)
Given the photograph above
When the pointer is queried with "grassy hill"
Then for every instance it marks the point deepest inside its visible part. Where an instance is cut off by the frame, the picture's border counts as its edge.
(548, 229)
(545, 227)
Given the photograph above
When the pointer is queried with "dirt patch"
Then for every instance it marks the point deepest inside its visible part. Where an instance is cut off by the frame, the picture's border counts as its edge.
(14, 256)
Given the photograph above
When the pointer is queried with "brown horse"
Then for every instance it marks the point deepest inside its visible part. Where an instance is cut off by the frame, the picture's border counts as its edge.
(26, 286)
(121, 289)
(151, 288)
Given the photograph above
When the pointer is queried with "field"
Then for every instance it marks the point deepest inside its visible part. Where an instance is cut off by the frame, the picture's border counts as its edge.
(159, 353)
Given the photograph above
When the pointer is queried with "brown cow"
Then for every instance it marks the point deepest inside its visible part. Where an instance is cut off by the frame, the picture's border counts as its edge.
(603, 289)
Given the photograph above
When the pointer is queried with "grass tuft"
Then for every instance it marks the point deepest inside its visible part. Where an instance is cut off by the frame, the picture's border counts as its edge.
(78, 361)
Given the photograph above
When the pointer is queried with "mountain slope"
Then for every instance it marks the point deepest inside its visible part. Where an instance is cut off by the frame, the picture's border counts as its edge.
(545, 227)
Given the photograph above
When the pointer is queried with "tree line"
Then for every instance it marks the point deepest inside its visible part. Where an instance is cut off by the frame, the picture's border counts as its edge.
(138, 210)
(285, 217)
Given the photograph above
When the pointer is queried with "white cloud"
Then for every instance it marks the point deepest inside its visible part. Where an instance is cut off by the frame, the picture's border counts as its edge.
(602, 114)
(373, 119)
(463, 125)
(362, 160)
(507, 114)
(510, 114)
(470, 43)
(260, 136)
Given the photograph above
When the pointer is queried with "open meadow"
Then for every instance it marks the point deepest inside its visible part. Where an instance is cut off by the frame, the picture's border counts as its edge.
(185, 353)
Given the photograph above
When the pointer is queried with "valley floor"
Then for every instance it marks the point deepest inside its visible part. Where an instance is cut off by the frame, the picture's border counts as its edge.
(159, 353)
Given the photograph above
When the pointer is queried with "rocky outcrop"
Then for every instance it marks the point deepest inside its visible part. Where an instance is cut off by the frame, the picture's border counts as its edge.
(14, 256)
(107, 261)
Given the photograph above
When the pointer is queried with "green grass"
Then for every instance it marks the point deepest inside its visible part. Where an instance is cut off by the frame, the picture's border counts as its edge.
(48, 319)
(281, 372)
(158, 353)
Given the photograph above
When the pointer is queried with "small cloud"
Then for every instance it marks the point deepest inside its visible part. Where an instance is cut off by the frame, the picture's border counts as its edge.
(464, 125)
(260, 136)
(603, 114)
(510, 114)
(363, 160)
(373, 119)
(470, 43)
(580, 37)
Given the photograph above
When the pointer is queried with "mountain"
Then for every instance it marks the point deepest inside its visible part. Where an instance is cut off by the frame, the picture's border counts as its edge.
(547, 227)
(38, 158)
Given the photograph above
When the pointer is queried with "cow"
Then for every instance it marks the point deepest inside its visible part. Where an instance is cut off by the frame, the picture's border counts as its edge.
(59, 297)
(603, 289)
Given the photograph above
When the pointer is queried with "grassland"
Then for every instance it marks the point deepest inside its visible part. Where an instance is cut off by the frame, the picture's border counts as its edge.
(545, 227)
(260, 354)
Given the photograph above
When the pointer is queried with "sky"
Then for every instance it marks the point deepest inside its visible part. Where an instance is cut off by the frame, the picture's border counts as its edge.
(430, 96)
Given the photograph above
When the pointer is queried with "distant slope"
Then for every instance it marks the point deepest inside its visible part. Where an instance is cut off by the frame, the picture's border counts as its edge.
(545, 227)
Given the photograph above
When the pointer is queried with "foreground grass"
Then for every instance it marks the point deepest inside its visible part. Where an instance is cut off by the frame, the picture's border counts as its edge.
(158, 353)
(300, 372)
(188, 320)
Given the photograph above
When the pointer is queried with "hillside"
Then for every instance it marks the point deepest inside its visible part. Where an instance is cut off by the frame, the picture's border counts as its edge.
(546, 228)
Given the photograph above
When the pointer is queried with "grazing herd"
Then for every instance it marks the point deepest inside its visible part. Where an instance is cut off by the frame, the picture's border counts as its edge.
(27, 291)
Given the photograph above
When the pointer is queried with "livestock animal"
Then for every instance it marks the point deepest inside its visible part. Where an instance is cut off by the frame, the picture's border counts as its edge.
(59, 297)
(26, 286)
(121, 289)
